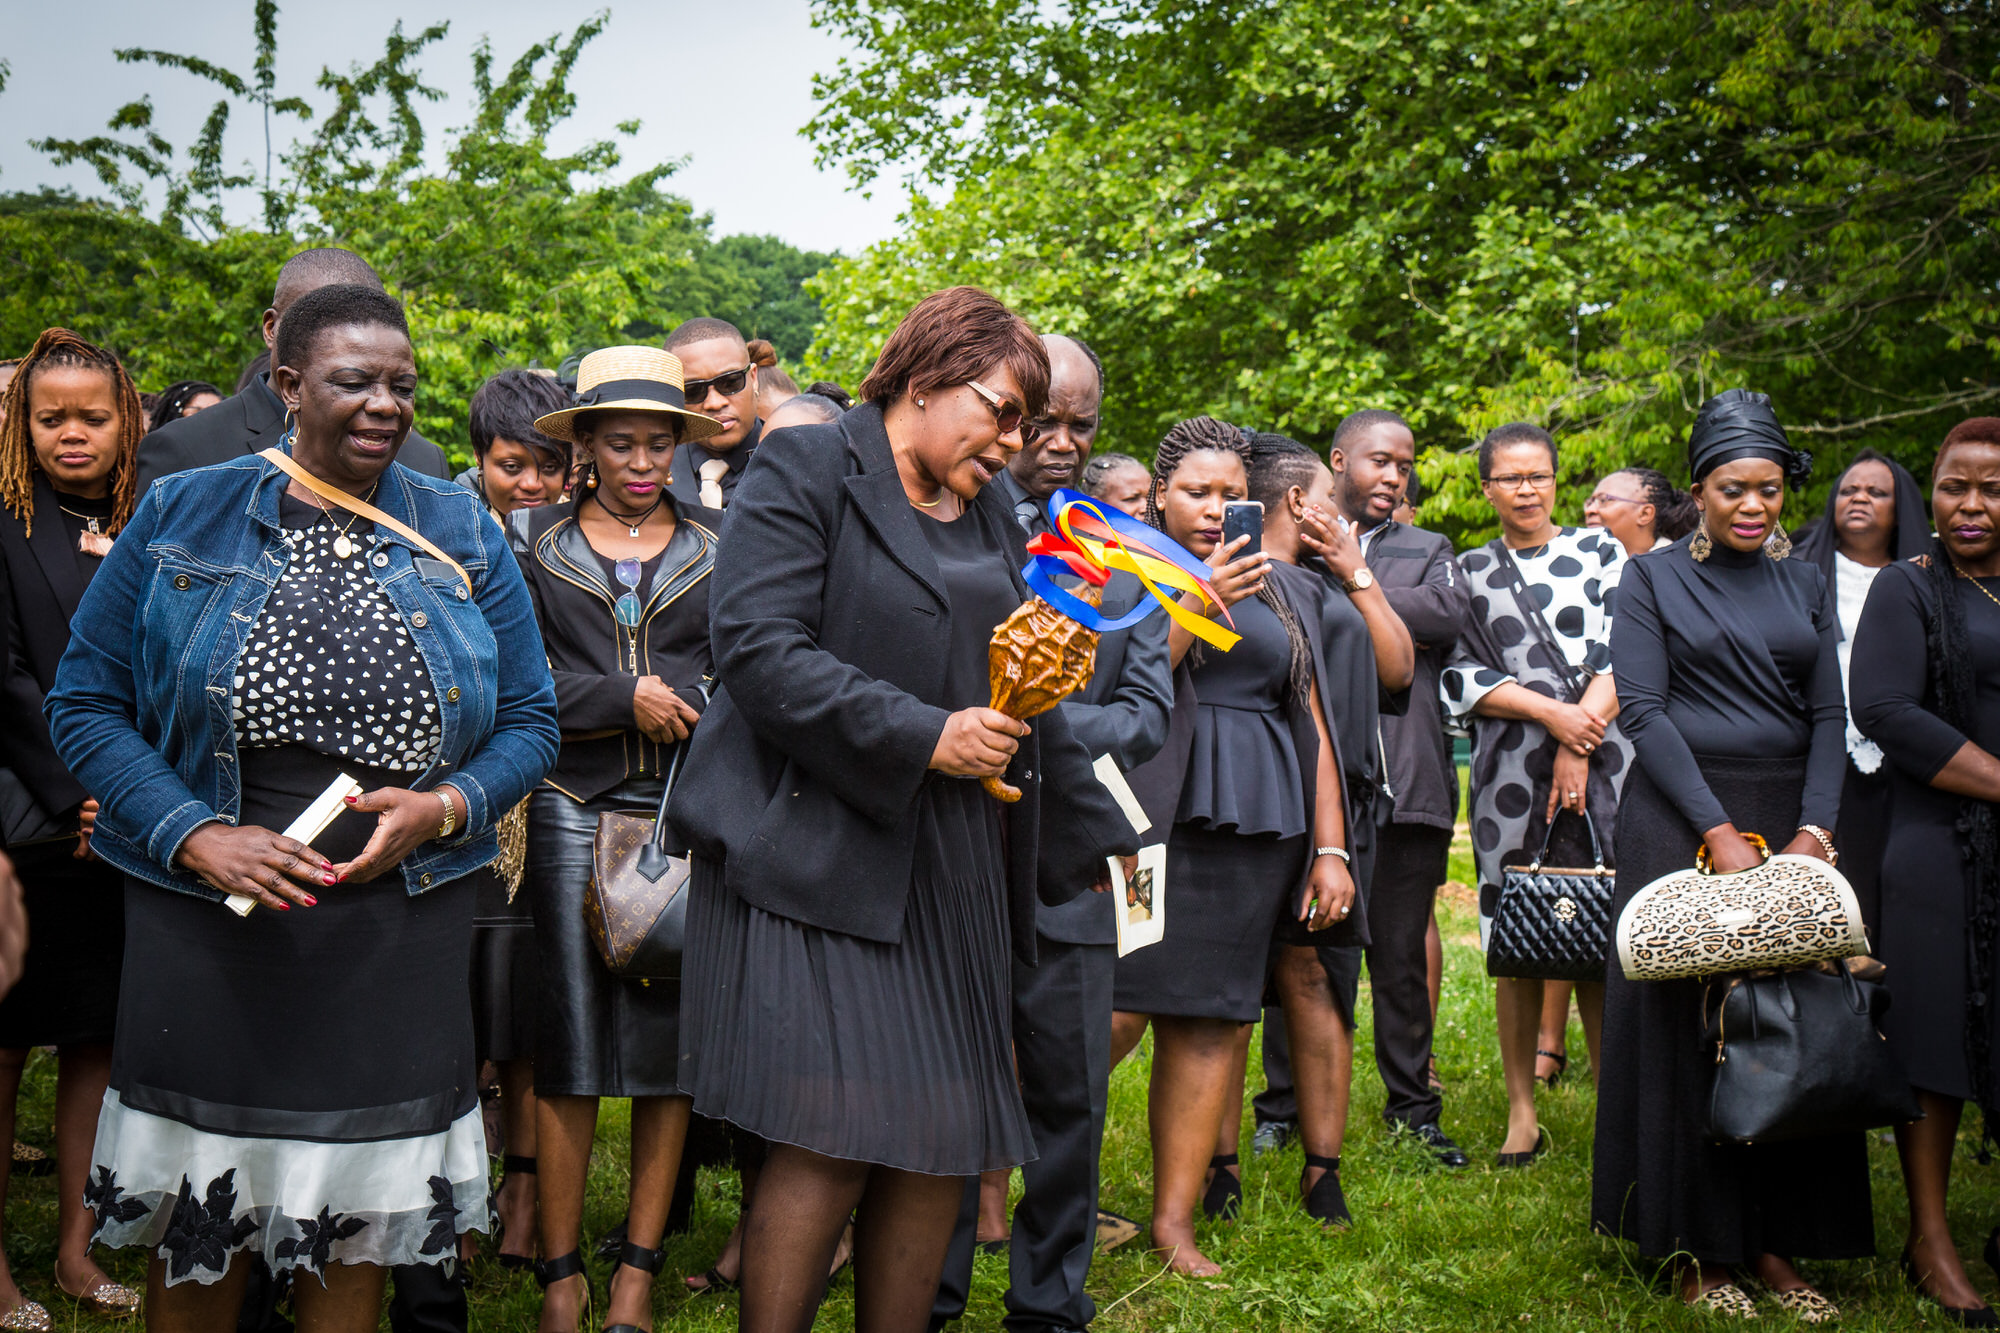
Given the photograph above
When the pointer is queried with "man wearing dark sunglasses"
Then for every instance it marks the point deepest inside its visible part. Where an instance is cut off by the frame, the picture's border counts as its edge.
(721, 383)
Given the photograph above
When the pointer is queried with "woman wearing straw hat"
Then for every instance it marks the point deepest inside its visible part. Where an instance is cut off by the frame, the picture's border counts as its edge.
(619, 577)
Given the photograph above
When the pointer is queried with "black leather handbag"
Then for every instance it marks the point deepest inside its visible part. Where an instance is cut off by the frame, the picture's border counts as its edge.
(1553, 923)
(1800, 1054)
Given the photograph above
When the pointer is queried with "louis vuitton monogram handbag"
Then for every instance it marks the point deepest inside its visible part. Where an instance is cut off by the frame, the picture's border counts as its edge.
(636, 902)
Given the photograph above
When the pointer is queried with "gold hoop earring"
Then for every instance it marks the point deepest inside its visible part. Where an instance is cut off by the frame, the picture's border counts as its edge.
(291, 425)
(1701, 547)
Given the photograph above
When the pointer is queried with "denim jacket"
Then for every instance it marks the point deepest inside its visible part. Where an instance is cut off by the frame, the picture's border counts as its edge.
(142, 705)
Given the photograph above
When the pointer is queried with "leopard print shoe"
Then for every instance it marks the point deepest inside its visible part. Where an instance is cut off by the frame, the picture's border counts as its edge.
(1807, 1306)
(1728, 1300)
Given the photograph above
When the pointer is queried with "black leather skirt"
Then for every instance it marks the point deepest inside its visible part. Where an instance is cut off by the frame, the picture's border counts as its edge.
(595, 1035)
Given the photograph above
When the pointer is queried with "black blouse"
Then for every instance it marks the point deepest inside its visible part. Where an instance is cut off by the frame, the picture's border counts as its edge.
(592, 656)
(1732, 657)
(1243, 772)
(1893, 702)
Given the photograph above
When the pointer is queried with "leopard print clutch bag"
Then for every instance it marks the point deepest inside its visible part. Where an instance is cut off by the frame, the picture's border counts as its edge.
(1787, 912)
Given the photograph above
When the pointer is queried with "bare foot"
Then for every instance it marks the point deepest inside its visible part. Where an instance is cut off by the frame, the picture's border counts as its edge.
(1176, 1246)
(1942, 1275)
(630, 1299)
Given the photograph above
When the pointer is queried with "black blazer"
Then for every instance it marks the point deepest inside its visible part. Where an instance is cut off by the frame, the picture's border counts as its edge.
(1420, 577)
(44, 584)
(252, 421)
(832, 628)
(602, 745)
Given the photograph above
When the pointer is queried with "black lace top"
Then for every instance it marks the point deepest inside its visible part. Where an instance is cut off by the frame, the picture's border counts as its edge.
(329, 664)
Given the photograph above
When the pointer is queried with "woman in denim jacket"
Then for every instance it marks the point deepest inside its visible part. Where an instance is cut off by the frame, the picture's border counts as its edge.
(300, 1082)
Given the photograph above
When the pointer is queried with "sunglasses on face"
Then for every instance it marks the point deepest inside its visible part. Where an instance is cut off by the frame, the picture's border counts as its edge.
(627, 607)
(1006, 415)
(696, 391)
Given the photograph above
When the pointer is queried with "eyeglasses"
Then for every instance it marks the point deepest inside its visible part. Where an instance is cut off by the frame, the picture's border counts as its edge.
(1006, 416)
(1600, 498)
(627, 607)
(1514, 481)
(696, 391)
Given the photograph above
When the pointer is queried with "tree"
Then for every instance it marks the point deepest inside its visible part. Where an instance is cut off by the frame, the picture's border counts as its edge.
(1590, 213)
(504, 253)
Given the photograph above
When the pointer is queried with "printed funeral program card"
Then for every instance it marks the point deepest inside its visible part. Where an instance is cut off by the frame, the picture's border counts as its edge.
(1142, 901)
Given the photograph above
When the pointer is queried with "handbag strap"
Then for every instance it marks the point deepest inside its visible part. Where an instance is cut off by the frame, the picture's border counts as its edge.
(1590, 827)
(666, 793)
(286, 464)
(1531, 611)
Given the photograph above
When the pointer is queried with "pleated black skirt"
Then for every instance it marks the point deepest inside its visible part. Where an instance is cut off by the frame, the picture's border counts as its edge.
(1658, 1182)
(1225, 895)
(506, 975)
(596, 1035)
(897, 1054)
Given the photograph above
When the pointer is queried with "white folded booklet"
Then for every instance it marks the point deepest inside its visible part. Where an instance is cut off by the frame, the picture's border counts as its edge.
(1142, 903)
(325, 808)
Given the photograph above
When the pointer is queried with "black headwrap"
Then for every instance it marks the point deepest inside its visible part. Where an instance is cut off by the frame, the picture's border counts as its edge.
(1740, 424)
(1818, 540)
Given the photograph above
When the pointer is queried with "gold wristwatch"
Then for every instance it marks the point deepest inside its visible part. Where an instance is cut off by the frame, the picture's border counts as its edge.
(1361, 582)
(450, 814)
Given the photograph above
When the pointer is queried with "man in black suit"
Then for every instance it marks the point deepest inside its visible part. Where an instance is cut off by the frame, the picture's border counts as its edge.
(254, 419)
(1062, 1006)
(721, 383)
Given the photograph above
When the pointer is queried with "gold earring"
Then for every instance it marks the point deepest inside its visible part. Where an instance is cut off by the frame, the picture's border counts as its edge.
(1701, 547)
(1779, 546)
(591, 479)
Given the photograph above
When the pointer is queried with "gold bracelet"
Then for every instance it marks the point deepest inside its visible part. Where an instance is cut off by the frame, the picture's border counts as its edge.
(450, 814)
(1824, 839)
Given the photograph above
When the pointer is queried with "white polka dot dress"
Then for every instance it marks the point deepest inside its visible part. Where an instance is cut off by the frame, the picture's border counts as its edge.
(330, 664)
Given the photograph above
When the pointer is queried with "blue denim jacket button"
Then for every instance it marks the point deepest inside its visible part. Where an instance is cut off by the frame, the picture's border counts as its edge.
(181, 582)
(419, 620)
(381, 560)
(451, 695)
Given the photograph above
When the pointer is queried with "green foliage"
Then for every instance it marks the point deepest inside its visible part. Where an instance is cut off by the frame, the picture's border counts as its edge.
(1590, 213)
(505, 252)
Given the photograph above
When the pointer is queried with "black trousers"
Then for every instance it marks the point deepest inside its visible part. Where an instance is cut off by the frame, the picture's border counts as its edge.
(1062, 1045)
(1409, 864)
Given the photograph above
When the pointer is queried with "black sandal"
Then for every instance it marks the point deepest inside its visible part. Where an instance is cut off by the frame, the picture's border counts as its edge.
(548, 1272)
(1562, 1062)
(1224, 1196)
(1325, 1200)
(511, 1164)
(714, 1281)
(646, 1261)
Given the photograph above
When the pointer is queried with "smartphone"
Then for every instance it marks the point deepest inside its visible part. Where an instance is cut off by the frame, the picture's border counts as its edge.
(1242, 518)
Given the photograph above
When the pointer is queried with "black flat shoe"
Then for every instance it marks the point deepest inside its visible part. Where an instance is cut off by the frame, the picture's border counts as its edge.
(1979, 1316)
(1224, 1196)
(1525, 1158)
(646, 1261)
(1324, 1200)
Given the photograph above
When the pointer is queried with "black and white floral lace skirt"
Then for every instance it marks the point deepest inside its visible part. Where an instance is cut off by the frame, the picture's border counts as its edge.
(296, 1084)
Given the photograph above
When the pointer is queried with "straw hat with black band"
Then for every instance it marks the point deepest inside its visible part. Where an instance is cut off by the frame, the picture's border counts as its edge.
(629, 379)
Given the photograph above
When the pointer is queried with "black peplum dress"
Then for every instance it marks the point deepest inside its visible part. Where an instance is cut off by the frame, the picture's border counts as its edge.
(896, 1054)
(1923, 929)
(1729, 686)
(1237, 854)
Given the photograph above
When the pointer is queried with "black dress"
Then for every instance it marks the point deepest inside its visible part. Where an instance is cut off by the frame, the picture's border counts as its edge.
(897, 1054)
(1729, 686)
(1922, 936)
(1239, 840)
(68, 991)
(301, 1083)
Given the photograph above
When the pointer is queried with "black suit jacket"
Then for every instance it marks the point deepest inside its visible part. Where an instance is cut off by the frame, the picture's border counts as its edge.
(832, 628)
(252, 421)
(1420, 577)
(44, 585)
(1123, 712)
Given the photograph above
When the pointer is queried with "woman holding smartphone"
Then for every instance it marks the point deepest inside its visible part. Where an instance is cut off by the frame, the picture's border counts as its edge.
(1260, 833)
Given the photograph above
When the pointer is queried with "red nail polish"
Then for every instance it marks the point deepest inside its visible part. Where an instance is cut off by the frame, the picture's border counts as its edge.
(311, 901)
(328, 880)
(284, 906)
(350, 799)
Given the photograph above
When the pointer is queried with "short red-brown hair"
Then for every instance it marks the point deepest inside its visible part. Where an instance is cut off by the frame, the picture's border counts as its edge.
(956, 335)
(1972, 430)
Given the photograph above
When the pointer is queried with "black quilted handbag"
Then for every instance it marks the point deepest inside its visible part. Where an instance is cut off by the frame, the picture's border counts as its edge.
(1553, 923)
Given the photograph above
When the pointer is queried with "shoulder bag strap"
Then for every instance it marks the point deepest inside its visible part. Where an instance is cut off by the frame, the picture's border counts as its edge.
(287, 465)
(1532, 613)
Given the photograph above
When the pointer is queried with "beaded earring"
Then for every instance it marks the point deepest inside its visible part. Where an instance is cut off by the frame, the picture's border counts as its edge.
(1779, 546)
(1699, 546)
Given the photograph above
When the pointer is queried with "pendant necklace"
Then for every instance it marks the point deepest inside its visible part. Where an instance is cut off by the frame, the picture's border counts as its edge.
(343, 545)
(93, 540)
(632, 525)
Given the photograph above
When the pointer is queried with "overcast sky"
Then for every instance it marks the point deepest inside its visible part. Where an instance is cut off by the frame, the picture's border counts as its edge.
(725, 85)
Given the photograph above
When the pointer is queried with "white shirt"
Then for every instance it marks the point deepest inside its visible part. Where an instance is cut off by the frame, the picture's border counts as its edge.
(1851, 582)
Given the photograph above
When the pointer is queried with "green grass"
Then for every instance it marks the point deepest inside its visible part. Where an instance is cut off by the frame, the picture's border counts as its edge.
(1479, 1249)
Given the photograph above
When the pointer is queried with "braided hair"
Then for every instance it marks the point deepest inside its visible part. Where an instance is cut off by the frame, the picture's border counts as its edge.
(1674, 510)
(60, 347)
(1201, 435)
